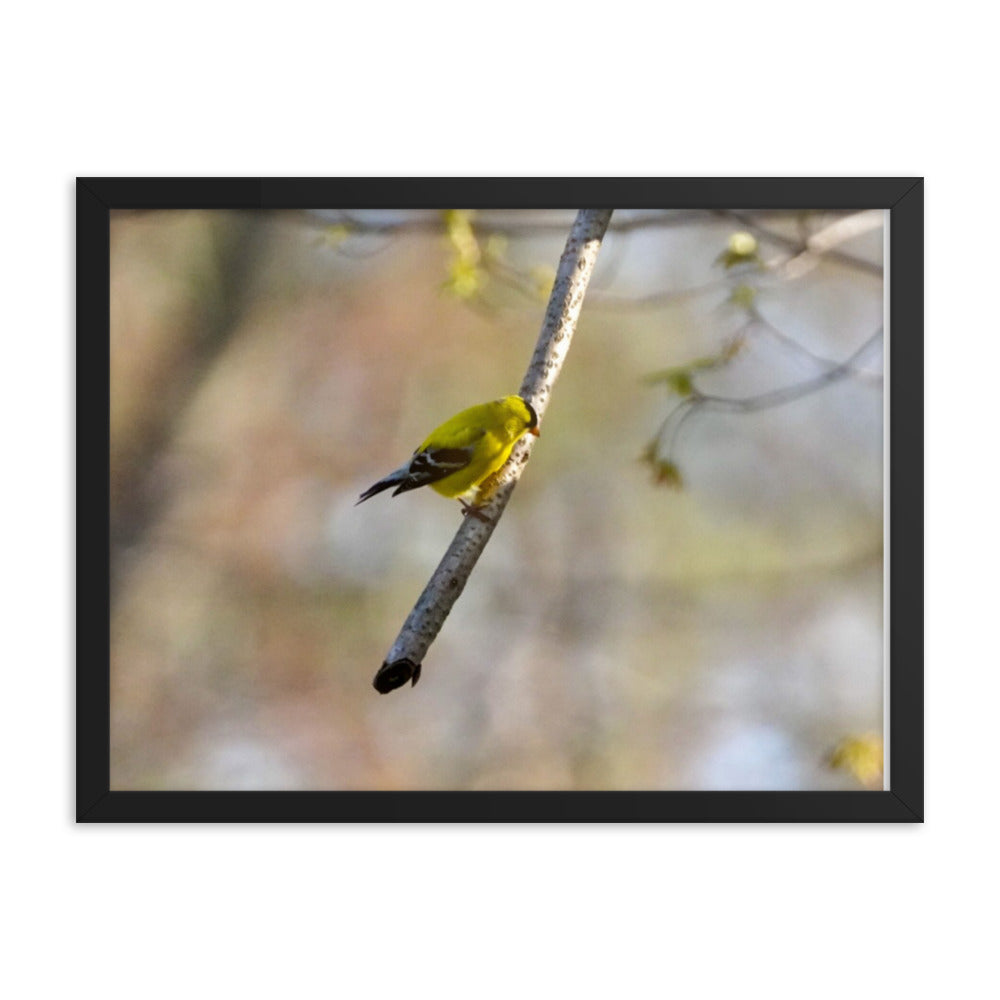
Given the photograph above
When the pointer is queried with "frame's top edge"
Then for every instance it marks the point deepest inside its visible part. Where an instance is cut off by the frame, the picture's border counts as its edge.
(498, 192)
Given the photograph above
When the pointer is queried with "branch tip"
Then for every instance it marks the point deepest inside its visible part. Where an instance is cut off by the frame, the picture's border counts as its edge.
(393, 675)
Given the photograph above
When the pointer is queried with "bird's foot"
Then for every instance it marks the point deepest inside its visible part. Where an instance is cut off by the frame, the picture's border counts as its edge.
(476, 512)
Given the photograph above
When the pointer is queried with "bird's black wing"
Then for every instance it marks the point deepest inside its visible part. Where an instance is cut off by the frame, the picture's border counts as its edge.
(432, 464)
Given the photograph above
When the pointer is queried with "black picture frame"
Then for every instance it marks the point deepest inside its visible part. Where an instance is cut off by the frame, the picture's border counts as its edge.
(98, 198)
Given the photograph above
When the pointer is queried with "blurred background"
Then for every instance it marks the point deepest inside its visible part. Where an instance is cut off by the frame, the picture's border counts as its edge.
(685, 592)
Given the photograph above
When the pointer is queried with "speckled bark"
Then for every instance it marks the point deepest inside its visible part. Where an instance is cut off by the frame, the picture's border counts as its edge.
(425, 620)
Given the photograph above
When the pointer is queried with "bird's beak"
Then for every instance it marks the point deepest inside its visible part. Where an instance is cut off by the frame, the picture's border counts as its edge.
(535, 431)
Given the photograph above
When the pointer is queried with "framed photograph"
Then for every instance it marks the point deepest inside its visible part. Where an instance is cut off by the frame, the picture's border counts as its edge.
(635, 493)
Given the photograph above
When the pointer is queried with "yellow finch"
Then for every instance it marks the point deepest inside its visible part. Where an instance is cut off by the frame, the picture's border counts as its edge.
(461, 454)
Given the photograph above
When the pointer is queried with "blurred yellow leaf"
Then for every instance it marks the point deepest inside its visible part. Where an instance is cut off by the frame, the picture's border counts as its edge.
(861, 757)
(740, 249)
(680, 382)
(336, 234)
(668, 474)
(742, 245)
(458, 226)
(665, 472)
(679, 378)
(465, 280)
(466, 276)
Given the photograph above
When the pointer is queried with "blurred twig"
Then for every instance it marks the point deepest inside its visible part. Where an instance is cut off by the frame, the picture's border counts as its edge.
(809, 250)
(798, 255)
(681, 381)
(789, 393)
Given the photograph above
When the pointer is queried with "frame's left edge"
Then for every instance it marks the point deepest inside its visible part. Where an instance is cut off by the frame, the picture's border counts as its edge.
(93, 303)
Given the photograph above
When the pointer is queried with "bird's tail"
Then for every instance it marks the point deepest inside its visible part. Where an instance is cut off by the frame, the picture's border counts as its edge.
(393, 479)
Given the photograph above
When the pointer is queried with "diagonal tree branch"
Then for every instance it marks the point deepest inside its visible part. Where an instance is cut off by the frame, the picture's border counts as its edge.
(405, 658)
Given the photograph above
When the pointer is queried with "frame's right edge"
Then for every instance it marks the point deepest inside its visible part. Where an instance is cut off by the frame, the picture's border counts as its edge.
(905, 573)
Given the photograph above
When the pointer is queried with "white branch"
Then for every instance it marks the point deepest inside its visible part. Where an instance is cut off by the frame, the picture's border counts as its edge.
(428, 615)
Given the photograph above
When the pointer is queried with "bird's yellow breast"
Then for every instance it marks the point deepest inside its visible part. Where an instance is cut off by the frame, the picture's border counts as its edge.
(491, 452)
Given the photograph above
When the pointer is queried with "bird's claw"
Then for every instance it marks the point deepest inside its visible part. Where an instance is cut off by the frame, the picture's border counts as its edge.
(476, 512)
